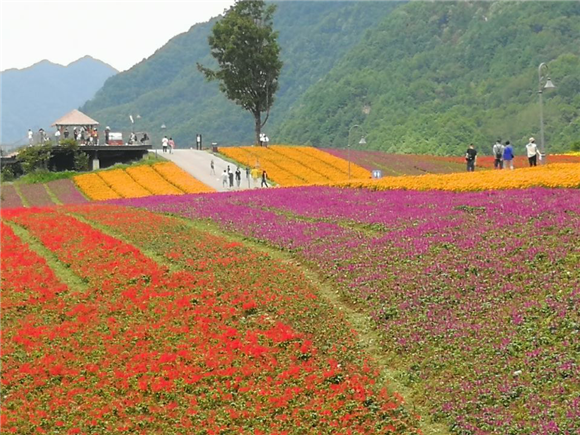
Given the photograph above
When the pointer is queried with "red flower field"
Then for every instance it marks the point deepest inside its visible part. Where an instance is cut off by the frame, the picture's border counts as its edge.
(149, 325)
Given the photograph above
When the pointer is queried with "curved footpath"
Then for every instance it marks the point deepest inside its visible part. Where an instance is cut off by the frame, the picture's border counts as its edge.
(198, 164)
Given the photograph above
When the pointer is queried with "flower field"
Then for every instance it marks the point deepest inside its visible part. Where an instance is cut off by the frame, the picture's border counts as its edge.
(95, 187)
(151, 180)
(10, 197)
(159, 179)
(400, 164)
(296, 165)
(181, 179)
(172, 331)
(565, 175)
(476, 294)
(36, 195)
(519, 161)
(66, 192)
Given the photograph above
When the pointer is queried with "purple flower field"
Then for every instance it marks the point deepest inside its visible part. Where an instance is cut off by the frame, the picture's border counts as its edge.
(10, 198)
(36, 195)
(477, 295)
(66, 192)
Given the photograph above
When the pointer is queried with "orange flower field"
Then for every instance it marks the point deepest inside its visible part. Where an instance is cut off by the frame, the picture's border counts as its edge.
(159, 179)
(95, 187)
(296, 165)
(181, 179)
(123, 184)
(151, 180)
(564, 175)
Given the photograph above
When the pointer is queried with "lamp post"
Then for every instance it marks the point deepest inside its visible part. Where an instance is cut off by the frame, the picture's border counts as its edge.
(541, 86)
(361, 142)
(163, 127)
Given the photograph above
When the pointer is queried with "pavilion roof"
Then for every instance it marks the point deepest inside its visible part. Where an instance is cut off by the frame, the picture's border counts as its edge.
(74, 118)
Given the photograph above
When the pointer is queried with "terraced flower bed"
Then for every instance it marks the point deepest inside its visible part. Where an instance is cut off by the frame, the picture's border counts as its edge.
(296, 165)
(477, 294)
(159, 179)
(10, 197)
(212, 337)
(400, 164)
(553, 175)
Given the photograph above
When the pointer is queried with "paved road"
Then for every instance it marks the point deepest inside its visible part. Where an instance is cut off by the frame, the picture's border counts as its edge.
(198, 164)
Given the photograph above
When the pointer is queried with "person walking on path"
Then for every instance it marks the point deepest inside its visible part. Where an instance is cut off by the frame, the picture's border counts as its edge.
(248, 176)
(30, 137)
(508, 155)
(225, 179)
(231, 176)
(212, 166)
(498, 155)
(470, 157)
(264, 179)
(171, 144)
(532, 152)
(164, 143)
(238, 177)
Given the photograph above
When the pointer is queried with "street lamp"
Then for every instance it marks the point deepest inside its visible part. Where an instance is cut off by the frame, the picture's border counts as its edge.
(162, 134)
(361, 142)
(544, 82)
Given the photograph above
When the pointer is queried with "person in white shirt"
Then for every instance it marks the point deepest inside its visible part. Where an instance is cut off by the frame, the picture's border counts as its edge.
(164, 143)
(30, 137)
(532, 151)
(57, 136)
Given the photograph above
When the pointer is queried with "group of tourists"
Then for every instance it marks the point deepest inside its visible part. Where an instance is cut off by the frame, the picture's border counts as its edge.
(84, 135)
(167, 144)
(504, 155)
(229, 176)
(264, 140)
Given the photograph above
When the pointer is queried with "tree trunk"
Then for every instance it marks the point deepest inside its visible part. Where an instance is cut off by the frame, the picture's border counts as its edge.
(258, 126)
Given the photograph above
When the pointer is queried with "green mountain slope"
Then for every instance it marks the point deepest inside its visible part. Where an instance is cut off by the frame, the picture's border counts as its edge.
(434, 76)
(167, 89)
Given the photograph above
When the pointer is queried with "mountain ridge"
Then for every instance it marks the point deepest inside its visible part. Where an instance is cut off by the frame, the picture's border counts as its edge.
(419, 77)
(33, 97)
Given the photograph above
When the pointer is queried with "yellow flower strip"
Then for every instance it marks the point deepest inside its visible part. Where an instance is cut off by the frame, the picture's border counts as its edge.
(341, 165)
(266, 159)
(178, 177)
(293, 161)
(150, 179)
(332, 168)
(123, 184)
(240, 155)
(564, 175)
(314, 171)
(94, 187)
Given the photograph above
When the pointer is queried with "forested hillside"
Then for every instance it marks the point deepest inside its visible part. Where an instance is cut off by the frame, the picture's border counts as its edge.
(420, 77)
(34, 97)
(168, 89)
(434, 76)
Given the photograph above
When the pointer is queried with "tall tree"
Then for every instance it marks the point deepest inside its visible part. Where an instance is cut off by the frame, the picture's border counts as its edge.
(245, 46)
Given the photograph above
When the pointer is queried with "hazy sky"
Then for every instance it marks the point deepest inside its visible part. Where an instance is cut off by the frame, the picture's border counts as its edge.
(120, 33)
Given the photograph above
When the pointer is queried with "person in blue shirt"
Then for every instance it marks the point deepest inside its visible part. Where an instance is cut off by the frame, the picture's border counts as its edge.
(508, 155)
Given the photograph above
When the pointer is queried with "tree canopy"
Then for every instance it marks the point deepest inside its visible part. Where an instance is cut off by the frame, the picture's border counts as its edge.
(245, 46)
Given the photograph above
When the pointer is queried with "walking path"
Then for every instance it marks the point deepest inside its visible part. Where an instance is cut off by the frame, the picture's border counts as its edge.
(198, 164)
